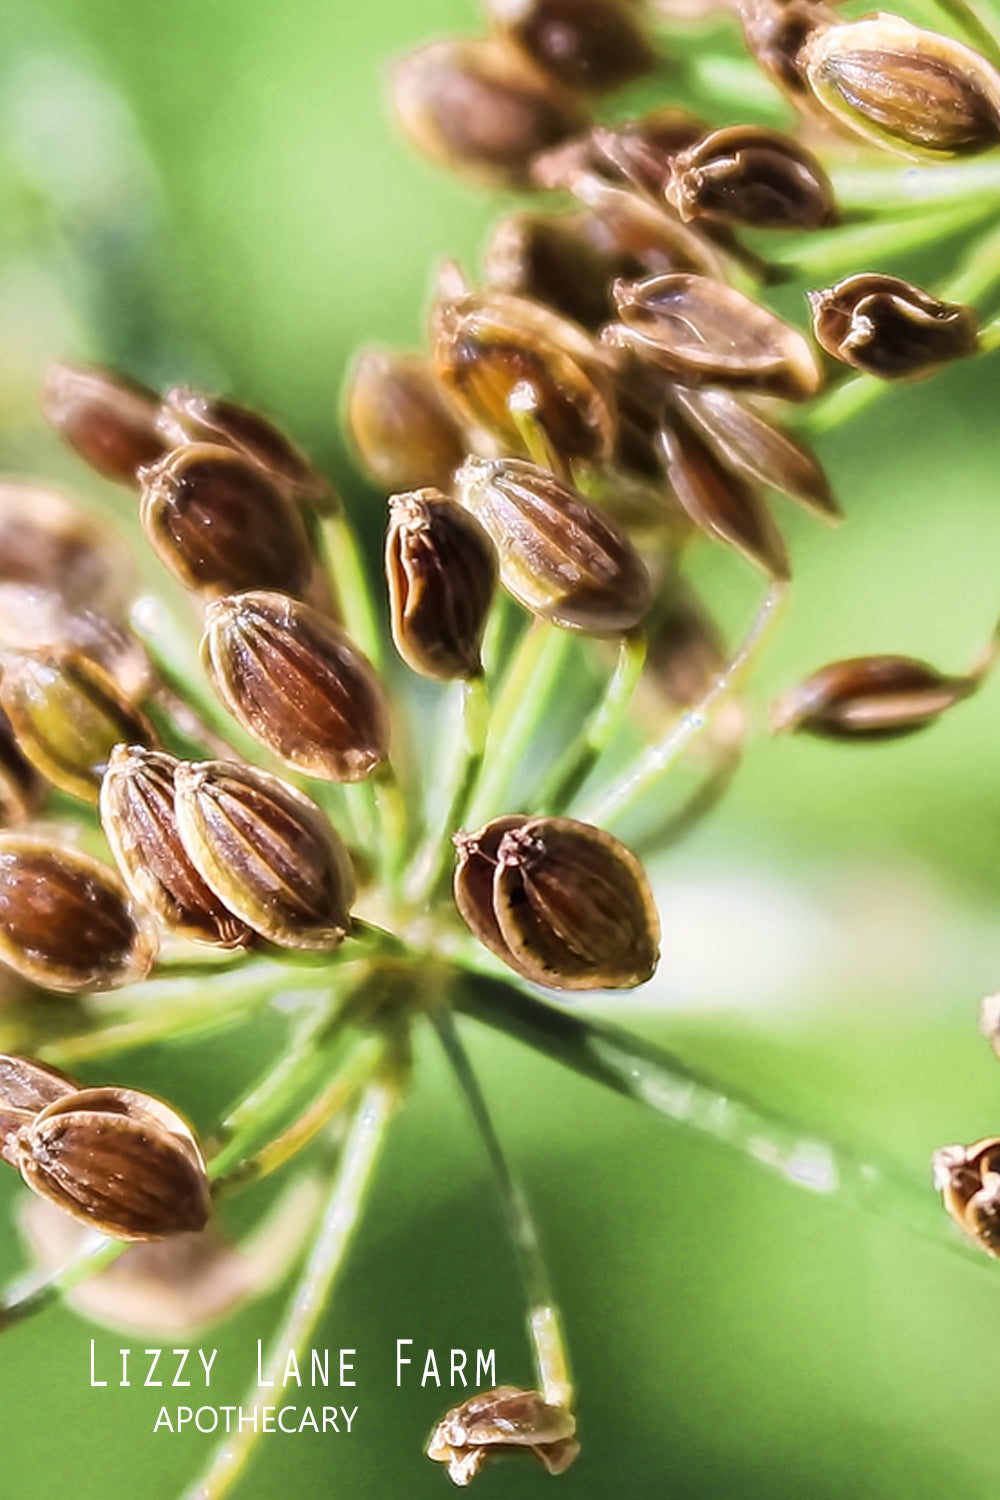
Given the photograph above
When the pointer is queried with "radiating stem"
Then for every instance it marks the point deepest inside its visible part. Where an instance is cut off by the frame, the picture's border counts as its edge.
(31, 1295)
(393, 824)
(569, 774)
(979, 27)
(346, 567)
(544, 1324)
(867, 185)
(656, 759)
(836, 252)
(434, 860)
(309, 1300)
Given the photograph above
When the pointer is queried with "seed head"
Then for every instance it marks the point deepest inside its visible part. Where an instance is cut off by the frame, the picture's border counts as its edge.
(891, 328)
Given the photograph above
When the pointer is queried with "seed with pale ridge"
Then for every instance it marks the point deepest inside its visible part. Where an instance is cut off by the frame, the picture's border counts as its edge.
(891, 328)
(869, 698)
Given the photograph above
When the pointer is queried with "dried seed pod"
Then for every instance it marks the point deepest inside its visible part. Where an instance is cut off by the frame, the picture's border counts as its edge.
(706, 333)
(109, 420)
(490, 349)
(968, 1177)
(559, 556)
(400, 423)
(481, 109)
(22, 790)
(720, 502)
(296, 682)
(66, 922)
(119, 1160)
(562, 903)
(746, 175)
(442, 574)
(137, 814)
(190, 416)
(869, 698)
(268, 853)
(921, 93)
(49, 546)
(26, 1087)
(641, 237)
(758, 449)
(592, 46)
(553, 259)
(891, 328)
(221, 524)
(504, 1420)
(638, 152)
(68, 714)
(776, 32)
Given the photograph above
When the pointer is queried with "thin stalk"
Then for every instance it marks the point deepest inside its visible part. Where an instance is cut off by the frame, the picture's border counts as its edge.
(346, 568)
(979, 26)
(650, 766)
(31, 1295)
(835, 252)
(394, 825)
(865, 185)
(656, 1078)
(309, 1300)
(432, 863)
(544, 1322)
(569, 773)
(658, 836)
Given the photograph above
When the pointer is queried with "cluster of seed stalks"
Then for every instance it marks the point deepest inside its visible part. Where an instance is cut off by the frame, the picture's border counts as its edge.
(612, 390)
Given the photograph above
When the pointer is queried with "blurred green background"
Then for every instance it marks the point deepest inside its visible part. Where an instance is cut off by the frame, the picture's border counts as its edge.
(212, 192)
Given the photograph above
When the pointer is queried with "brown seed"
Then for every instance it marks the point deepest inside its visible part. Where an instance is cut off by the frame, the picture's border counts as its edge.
(968, 1177)
(592, 46)
(746, 175)
(221, 524)
(901, 86)
(441, 569)
(119, 1160)
(26, 1086)
(49, 546)
(559, 556)
(776, 32)
(478, 107)
(493, 353)
(637, 152)
(869, 698)
(22, 789)
(706, 333)
(553, 259)
(891, 328)
(643, 238)
(397, 416)
(297, 683)
(137, 814)
(66, 922)
(567, 905)
(109, 420)
(504, 1420)
(268, 853)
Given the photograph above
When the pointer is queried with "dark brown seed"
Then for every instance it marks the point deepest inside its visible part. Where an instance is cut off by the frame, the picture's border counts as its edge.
(746, 175)
(49, 546)
(891, 328)
(190, 416)
(968, 1177)
(559, 556)
(121, 1161)
(776, 32)
(66, 922)
(642, 238)
(922, 93)
(504, 1420)
(268, 853)
(441, 569)
(592, 46)
(478, 107)
(137, 814)
(720, 502)
(552, 259)
(220, 524)
(110, 421)
(296, 682)
(397, 416)
(26, 1086)
(22, 789)
(869, 698)
(706, 333)
(636, 152)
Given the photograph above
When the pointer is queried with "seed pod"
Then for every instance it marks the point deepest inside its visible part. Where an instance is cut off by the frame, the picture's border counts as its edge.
(891, 328)
(776, 32)
(26, 1086)
(968, 1177)
(488, 348)
(720, 502)
(591, 46)
(552, 259)
(137, 814)
(121, 1161)
(190, 416)
(642, 238)
(922, 94)
(68, 714)
(704, 332)
(295, 681)
(562, 903)
(637, 152)
(559, 556)
(504, 1420)
(66, 922)
(400, 423)
(49, 546)
(746, 175)
(758, 450)
(221, 524)
(110, 421)
(268, 853)
(442, 574)
(22, 790)
(479, 108)
(869, 698)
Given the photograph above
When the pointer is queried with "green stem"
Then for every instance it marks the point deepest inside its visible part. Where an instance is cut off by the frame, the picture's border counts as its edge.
(390, 805)
(979, 29)
(572, 770)
(26, 1297)
(867, 185)
(835, 252)
(544, 1323)
(309, 1300)
(434, 860)
(346, 567)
